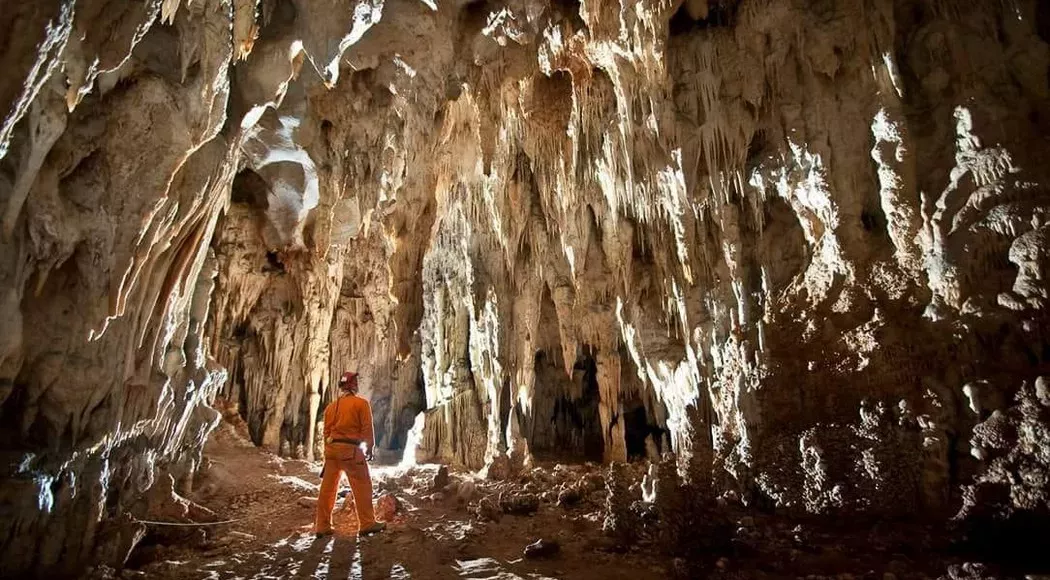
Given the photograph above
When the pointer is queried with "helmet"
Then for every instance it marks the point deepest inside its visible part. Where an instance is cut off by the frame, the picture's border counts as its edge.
(348, 382)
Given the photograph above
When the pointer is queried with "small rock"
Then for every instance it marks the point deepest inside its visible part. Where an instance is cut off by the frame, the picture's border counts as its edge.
(488, 510)
(889, 576)
(440, 478)
(387, 507)
(466, 491)
(747, 521)
(497, 469)
(307, 502)
(722, 563)
(1042, 390)
(591, 482)
(519, 503)
(569, 496)
(542, 549)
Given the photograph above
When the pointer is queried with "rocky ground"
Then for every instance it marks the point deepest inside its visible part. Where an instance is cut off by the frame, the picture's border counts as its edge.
(458, 525)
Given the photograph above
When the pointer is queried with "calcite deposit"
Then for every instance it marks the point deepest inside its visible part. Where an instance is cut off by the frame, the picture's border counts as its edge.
(799, 244)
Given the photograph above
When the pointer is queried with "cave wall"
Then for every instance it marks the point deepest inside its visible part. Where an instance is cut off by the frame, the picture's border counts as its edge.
(805, 240)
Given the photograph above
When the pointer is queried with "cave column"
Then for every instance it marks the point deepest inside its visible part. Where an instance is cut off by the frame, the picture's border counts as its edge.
(610, 409)
(315, 403)
(320, 290)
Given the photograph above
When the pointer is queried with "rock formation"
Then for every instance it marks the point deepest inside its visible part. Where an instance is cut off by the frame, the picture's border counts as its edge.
(799, 244)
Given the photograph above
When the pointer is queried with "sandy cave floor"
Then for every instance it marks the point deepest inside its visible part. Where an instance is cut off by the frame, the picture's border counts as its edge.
(436, 535)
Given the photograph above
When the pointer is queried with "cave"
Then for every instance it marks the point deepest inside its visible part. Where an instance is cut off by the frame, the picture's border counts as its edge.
(628, 289)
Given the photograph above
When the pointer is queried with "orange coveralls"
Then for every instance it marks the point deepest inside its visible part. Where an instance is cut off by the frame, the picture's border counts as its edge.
(348, 417)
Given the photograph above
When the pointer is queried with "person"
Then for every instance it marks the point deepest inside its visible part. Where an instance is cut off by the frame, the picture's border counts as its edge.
(347, 428)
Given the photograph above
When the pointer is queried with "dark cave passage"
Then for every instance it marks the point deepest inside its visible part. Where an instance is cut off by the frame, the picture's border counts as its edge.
(641, 431)
(565, 422)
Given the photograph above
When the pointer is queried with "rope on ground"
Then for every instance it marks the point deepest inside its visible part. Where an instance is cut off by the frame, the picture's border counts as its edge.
(199, 524)
(187, 524)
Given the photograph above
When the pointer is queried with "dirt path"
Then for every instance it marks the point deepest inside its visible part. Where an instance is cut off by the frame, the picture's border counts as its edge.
(433, 534)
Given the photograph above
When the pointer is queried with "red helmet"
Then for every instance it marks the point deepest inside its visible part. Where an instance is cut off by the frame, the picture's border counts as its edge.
(348, 382)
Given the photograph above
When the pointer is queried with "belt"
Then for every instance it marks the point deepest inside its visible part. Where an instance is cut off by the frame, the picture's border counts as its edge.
(348, 441)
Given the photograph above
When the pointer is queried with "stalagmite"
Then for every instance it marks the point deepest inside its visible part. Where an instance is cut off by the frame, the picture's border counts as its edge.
(611, 409)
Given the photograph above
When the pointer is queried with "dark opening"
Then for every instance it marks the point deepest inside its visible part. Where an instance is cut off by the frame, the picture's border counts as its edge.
(567, 428)
(278, 18)
(1042, 20)
(755, 149)
(641, 252)
(251, 189)
(473, 17)
(255, 419)
(569, 10)
(240, 332)
(871, 220)
(273, 263)
(637, 429)
(1017, 544)
(587, 408)
(719, 14)
(294, 434)
(595, 226)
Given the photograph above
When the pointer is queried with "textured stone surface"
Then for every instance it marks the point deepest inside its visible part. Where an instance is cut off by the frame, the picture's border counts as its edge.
(799, 244)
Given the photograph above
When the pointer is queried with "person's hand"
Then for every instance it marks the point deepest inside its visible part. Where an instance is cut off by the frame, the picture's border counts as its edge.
(369, 456)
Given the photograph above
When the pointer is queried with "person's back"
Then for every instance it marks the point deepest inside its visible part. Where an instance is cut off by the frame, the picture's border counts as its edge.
(347, 420)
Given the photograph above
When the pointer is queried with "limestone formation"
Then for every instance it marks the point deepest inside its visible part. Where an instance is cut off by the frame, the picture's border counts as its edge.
(621, 524)
(801, 245)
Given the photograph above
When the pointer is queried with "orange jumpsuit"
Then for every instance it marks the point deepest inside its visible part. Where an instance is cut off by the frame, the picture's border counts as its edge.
(348, 417)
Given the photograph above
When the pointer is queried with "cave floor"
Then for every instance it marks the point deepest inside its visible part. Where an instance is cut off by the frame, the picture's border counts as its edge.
(269, 504)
